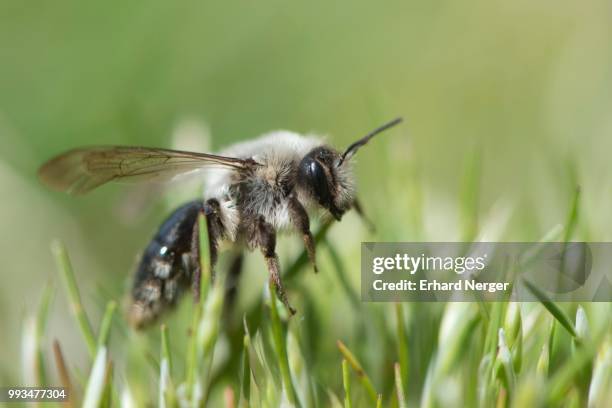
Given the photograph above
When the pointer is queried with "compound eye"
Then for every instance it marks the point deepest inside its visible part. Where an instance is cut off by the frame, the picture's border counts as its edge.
(317, 177)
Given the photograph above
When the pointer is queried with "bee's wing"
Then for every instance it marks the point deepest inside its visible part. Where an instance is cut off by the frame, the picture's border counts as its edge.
(81, 170)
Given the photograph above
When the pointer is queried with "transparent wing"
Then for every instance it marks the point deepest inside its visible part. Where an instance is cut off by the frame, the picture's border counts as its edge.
(81, 170)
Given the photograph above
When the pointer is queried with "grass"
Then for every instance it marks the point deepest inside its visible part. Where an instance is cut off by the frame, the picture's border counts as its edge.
(455, 354)
(493, 112)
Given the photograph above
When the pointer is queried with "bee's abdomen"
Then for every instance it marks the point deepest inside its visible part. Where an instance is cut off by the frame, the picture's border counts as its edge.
(165, 268)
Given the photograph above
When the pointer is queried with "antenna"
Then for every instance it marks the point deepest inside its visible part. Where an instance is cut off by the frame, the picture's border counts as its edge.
(352, 149)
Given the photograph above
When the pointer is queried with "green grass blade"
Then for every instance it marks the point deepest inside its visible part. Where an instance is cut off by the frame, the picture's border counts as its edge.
(207, 334)
(582, 326)
(298, 367)
(340, 270)
(513, 326)
(334, 402)
(599, 388)
(551, 338)
(41, 326)
(505, 369)
(63, 373)
(543, 362)
(205, 275)
(201, 290)
(346, 382)
(72, 291)
(402, 345)
(572, 217)
(190, 357)
(552, 307)
(256, 364)
(105, 326)
(165, 345)
(280, 348)
(108, 392)
(361, 374)
(94, 392)
(401, 396)
(494, 323)
(245, 381)
(564, 378)
(167, 394)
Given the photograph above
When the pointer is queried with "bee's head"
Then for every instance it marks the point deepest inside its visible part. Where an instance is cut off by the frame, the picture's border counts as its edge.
(328, 184)
(326, 175)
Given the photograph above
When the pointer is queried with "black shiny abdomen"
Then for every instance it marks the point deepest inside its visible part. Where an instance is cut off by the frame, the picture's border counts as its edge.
(165, 269)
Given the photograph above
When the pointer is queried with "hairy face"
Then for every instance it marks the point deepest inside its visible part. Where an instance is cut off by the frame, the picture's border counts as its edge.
(326, 180)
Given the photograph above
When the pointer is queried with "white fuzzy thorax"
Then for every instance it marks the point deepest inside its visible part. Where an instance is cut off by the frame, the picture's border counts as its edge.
(278, 152)
(270, 150)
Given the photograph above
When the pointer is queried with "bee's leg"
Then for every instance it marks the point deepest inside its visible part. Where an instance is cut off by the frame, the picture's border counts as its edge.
(300, 220)
(214, 228)
(267, 243)
(359, 209)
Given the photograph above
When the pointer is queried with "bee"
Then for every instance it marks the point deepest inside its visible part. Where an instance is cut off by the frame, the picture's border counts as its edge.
(253, 190)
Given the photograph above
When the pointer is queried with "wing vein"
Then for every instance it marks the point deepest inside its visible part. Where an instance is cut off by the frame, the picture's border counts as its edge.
(81, 170)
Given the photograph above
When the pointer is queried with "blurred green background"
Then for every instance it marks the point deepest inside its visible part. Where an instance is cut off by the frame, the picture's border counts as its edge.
(519, 92)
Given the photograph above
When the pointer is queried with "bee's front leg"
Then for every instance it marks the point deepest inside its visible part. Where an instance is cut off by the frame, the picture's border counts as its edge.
(299, 218)
(266, 240)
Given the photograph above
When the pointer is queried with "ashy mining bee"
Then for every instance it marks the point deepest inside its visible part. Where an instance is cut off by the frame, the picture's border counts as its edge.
(252, 190)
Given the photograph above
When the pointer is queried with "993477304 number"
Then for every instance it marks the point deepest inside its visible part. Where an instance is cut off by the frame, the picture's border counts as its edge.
(33, 394)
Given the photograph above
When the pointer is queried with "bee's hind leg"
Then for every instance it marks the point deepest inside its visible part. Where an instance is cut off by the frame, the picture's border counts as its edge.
(214, 226)
(300, 220)
(266, 240)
